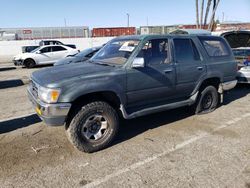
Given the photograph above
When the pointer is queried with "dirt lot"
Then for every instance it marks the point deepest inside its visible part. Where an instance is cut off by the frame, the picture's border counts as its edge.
(169, 149)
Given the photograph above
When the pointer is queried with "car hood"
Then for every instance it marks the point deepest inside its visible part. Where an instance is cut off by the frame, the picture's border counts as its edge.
(64, 61)
(52, 77)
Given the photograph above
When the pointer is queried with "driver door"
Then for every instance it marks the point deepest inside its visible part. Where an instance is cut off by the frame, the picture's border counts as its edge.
(153, 84)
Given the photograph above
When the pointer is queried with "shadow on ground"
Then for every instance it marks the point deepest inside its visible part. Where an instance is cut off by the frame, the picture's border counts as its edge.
(240, 91)
(10, 83)
(7, 69)
(132, 128)
(11, 125)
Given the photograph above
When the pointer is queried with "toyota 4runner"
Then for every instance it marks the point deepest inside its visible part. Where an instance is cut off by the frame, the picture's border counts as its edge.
(130, 77)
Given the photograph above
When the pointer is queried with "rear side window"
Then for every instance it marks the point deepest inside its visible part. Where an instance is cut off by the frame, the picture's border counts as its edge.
(45, 50)
(57, 48)
(185, 51)
(215, 47)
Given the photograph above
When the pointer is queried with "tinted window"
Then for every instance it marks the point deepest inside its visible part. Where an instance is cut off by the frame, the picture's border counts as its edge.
(50, 42)
(91, 54)
(215, 47)
(58, 48)
(45, 50)
(185, 51)
(155, 51)
(248, 52)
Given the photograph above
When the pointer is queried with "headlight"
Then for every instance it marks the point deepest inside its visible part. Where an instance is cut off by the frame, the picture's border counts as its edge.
(48, 95)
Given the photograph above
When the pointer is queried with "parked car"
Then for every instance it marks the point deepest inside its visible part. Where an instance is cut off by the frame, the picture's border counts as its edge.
(82, 56)
(244, 75)
(27, 49)
(55, 42)
(241, 54)
(44, 55)
(133, 76)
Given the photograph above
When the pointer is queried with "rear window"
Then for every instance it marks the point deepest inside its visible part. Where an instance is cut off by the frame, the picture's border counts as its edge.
(215, 47)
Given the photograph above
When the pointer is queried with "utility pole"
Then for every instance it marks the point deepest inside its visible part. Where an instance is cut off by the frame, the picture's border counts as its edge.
(128, 17)
(65, 22)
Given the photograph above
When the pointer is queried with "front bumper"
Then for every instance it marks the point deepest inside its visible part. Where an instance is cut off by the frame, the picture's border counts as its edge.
(18, 62)
(51, 114)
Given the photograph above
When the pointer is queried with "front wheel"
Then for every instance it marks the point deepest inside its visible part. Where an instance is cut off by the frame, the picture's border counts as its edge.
(207, 101)
(94, 127)
(30, 63)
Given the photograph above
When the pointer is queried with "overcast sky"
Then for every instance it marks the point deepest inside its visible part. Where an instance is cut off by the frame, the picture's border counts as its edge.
(111, 13)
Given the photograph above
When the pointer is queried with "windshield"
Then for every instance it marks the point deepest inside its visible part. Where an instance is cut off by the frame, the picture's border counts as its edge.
(35, 50)
(84, 52)
(116, 52)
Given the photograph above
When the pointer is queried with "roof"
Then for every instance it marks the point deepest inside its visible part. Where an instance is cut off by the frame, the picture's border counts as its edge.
(191, 32)
(148, 37)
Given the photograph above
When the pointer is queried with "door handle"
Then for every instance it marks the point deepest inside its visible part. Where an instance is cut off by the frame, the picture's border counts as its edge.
(200, 68)
(168, 71)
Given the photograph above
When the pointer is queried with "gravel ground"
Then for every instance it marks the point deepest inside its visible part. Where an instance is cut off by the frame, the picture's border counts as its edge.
(170, 149)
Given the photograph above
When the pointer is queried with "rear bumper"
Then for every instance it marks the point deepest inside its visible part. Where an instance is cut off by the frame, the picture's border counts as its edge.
(51, 114)
(229, 85)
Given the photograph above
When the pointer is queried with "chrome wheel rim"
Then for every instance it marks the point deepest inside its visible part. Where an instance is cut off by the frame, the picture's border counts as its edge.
(95, 127)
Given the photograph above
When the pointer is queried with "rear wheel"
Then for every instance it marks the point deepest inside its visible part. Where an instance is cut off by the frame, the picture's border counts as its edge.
(93, 127)
(207, 101)
(29, 63)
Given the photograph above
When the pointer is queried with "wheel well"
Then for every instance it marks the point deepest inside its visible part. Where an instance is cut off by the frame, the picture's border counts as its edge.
(107, 96)
(210, 82)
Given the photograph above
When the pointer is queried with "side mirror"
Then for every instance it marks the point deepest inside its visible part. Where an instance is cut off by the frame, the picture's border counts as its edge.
(138, 62)
(38, 52)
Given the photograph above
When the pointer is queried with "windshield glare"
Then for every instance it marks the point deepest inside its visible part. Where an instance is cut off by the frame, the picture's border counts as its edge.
(116, 52)
(35, 50)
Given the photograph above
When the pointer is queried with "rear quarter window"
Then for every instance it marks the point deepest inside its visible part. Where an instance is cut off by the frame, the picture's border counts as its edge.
(215, 47)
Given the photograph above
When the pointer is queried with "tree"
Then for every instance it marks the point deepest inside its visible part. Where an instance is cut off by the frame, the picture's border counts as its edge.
(207, 11)
(199, 19)
(202, 9)
(211, 23)
(197, 13)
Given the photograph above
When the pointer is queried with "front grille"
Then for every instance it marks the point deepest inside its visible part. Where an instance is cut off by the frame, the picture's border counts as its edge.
(34, 88)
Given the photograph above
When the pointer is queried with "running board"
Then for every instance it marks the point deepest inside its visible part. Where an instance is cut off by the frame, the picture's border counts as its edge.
(151, 110)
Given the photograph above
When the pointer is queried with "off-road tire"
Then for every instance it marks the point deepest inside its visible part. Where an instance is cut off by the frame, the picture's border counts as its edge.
(210, 95)
(29, 63)
(74, 131)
